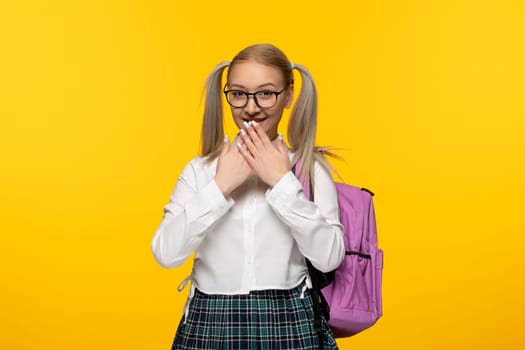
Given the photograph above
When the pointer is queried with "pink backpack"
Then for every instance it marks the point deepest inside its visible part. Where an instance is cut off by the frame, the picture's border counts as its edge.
(353, 290)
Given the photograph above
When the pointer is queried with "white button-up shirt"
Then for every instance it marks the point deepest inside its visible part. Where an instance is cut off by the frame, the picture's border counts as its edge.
(254, 240)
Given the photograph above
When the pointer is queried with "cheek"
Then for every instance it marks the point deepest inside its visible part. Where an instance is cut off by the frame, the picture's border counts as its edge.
(277, 113)
(273, 119)
(237, 118)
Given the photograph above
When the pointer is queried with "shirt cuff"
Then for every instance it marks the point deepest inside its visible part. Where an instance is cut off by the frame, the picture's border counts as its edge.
(286, 189)
(210, 204)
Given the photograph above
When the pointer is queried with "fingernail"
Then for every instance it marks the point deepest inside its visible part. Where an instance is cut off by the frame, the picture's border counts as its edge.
(253, 123)
(243, 132)
(225, 138)
(247, 124)
(281, 137)
(238, 145)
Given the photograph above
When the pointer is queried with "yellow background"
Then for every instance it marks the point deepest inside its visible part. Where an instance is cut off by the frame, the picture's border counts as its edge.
(100, 110)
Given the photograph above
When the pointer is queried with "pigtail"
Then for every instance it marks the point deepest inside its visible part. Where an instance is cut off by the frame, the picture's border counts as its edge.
(212, 134)
(302, 127)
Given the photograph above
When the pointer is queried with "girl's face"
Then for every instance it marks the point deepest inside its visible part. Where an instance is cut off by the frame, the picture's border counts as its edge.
(251, 77)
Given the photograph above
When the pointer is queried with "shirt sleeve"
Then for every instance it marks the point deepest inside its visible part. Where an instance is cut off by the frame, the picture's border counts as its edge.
(315, 226)
(189, 214)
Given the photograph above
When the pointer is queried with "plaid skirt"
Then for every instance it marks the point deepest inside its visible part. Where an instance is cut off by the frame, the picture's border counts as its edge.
(268, 319)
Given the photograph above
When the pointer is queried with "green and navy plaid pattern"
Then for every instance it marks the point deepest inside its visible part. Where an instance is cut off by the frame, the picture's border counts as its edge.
(269, 319)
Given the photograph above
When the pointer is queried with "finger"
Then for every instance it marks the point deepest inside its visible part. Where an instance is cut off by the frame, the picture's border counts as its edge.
(239, 144)
(248, 141)
(255, 133)
(261, 134)
(280, 144)
(243, 150)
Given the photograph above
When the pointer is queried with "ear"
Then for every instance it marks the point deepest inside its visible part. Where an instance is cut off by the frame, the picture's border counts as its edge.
(289, 96)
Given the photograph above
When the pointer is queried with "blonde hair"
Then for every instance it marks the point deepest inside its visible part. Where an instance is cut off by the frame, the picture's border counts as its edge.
(303, 121)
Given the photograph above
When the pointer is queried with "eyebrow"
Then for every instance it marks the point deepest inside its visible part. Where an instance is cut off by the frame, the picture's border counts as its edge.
(258, 87)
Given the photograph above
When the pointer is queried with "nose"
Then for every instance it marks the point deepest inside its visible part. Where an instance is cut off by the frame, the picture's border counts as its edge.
(251, 107)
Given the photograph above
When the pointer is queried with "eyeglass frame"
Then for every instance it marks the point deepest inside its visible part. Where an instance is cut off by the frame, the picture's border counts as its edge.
(248, 94)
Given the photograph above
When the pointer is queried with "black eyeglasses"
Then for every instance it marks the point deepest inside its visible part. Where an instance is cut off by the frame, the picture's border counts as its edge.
(263, 99)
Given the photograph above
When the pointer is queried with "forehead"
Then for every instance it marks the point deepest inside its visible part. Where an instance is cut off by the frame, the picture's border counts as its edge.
(252, 75)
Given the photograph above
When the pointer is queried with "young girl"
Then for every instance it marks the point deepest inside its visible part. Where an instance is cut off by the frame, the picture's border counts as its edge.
(241, 209)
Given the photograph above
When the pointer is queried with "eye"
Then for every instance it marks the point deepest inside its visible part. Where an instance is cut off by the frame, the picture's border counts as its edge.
(265, 95)
(237, 93)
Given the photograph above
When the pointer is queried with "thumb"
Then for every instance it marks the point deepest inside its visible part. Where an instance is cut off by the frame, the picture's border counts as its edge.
(280, 143)
(225, 146)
